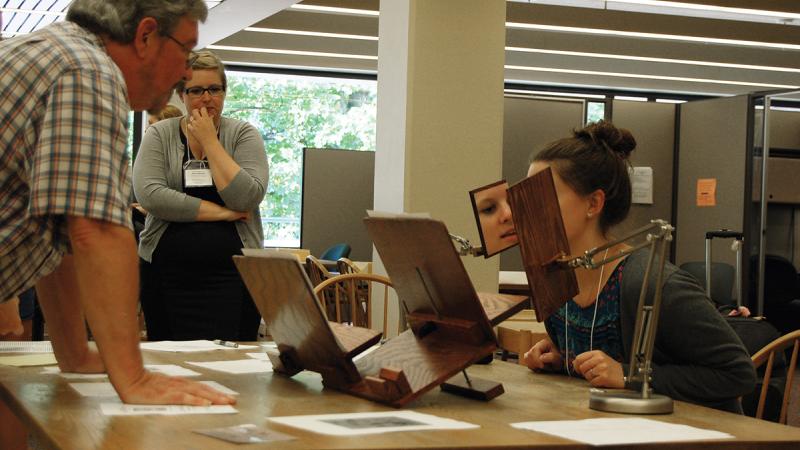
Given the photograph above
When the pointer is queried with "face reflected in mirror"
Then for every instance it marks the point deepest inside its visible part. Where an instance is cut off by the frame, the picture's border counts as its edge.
(493, 216)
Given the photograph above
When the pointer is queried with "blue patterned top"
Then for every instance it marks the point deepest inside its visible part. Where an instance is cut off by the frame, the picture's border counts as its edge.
(607, 335)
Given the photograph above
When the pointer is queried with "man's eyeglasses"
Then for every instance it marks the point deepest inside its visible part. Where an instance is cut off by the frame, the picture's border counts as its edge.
(197, 91)
(191, 56)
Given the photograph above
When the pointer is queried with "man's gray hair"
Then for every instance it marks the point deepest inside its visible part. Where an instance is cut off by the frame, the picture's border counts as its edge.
(119, 18)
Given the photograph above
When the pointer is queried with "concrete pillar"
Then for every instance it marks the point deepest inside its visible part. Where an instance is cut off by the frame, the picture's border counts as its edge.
(440, 113)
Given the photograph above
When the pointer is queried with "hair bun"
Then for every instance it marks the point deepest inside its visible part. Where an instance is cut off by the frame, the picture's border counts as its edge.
(618, 140)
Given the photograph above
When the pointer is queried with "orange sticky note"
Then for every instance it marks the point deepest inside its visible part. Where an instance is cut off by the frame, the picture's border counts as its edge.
(706, 192)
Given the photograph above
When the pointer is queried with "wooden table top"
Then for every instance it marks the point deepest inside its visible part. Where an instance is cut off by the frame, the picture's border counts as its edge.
(62, 419)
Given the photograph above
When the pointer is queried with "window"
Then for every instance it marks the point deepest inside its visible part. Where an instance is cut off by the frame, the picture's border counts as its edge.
(595, 111)
(293, 112)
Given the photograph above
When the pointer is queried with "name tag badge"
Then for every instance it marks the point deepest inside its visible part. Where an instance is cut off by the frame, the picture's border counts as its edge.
(198, 177)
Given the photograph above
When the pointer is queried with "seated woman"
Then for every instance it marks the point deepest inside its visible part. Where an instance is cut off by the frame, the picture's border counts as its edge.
(201, 179)
(697, 356)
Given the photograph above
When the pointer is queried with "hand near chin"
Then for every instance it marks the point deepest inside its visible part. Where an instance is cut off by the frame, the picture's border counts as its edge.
(201, 126)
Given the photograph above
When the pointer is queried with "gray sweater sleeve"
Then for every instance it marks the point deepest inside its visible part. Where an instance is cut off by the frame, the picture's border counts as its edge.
(248, 187)
(697, 356)
(150, 181)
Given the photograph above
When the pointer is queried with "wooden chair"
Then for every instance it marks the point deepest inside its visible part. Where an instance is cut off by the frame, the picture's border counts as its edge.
(348, 291)
(316, 271)
(345, 265)
(767, 354)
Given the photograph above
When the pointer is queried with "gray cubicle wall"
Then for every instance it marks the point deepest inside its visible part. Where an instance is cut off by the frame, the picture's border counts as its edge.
(653, 126)
(337, 191)
(713, 144)
(783, 212)
(529, 124)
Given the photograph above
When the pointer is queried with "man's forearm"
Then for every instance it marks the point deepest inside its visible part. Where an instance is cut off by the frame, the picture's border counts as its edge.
(107, 275)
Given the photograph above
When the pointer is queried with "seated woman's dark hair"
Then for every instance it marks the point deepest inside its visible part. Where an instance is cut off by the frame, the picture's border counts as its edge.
(595, 157)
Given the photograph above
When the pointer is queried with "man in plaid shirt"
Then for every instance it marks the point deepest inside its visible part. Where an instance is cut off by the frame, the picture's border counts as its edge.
(65, 93)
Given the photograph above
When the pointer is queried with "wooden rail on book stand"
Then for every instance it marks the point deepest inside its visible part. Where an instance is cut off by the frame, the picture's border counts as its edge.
(427, 355)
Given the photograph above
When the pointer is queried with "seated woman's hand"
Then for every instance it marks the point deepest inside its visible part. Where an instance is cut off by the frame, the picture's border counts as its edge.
(600, 369)
(543, 355)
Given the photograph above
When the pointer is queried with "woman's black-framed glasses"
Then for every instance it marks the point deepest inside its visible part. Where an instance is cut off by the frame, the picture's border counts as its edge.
(191, 56)
(214, 90)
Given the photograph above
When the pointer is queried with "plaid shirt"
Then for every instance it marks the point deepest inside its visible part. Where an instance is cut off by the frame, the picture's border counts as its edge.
(63, 134)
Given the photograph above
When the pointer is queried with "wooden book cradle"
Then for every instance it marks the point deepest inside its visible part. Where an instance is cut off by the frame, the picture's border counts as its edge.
(450, 326)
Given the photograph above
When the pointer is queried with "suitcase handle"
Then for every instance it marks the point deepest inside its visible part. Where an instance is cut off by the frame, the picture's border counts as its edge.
(724, 233)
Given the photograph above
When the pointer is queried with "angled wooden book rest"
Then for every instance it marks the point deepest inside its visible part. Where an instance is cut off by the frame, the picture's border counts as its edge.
(450, 325)
(437, 347)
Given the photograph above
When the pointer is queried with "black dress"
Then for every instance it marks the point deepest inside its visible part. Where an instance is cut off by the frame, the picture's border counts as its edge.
(192, 289)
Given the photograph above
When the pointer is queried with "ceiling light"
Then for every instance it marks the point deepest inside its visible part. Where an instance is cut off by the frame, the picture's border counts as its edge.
(557, 94)
(335, 10)
(651, 59)
(290, 52)
(668, 37)
(630, 99)
(679, 9)
(648, 77)
(669, 100)
(312, 33)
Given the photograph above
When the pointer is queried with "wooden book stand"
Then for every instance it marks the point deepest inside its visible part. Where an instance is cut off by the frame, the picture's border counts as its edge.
(446, 335)
(542, 241)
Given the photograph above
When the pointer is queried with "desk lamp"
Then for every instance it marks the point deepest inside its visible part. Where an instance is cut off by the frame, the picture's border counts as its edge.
(544, 248)
(658, 233)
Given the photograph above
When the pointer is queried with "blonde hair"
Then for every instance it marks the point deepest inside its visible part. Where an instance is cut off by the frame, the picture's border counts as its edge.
(206, 60)
(168, 112)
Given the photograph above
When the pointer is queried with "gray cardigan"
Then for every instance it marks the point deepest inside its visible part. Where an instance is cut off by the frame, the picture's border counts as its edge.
(158, 181)
(697, 356)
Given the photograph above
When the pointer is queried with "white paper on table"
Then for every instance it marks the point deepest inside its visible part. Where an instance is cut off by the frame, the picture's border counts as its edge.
(106, 389)
(613, 431)
(121, 409)
(259, 356)
(54, 370)
(353, 424)
(171, 370)
(642, 185)
(236, 366)
(100, 389)
(220, 387)
(26, 347)
(189, 346)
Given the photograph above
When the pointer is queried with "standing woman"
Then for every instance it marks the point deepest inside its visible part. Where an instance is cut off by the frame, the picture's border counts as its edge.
(697, 356)
(201, 178)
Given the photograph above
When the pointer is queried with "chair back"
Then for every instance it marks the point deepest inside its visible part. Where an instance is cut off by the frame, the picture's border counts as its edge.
(353, 295)
(345, 265)
(316, 271)
(722, 280)
(768, 355)
(335, 252)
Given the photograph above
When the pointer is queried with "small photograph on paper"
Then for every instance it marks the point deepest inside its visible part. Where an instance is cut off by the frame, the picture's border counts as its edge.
(354, 424)
(245, 434)
(375, 422)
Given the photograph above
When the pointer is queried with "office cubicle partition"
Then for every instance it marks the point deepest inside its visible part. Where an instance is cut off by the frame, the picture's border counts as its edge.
(775, 125)
(528, 124)
(653, 126)
(713, 151)
(337, 192)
